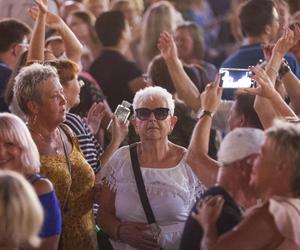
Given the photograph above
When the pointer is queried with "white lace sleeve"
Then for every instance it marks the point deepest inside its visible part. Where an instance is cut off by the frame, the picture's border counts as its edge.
(109, 172)
(197, 187)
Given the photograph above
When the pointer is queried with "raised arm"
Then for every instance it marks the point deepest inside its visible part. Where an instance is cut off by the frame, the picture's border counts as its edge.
(37, 43)
(119, 131)
(73, 47)
(72, 44)
(185, 88)
(205, 167)
(290, 81)
(267, 90)
(292, 86)
(118, 134)
(264, 108)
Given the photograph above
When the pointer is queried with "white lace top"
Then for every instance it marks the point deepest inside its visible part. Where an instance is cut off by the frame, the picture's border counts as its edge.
(171, 192)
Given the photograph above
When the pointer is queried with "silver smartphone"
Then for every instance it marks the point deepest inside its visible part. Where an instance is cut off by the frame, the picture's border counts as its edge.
(121, 113)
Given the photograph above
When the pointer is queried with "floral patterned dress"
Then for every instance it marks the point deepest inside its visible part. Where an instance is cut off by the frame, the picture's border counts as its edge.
(78, 222)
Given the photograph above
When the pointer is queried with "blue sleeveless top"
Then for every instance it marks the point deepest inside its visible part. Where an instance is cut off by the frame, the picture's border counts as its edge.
(52, 224)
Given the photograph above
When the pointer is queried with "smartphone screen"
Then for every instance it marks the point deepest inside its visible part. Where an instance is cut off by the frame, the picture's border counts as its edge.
(236, 78)
(121, 113)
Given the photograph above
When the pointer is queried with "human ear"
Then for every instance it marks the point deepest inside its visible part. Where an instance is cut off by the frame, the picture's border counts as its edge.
(242, 120)
(15, 50)
(173, 121)
(33, 107)
(268, 30)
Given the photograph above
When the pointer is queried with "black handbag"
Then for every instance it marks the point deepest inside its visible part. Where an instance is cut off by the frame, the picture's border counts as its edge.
(156, 230)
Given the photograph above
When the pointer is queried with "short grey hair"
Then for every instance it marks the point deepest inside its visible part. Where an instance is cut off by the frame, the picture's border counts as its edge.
(154, 92)
(14, 130)
(286, 137)
(28, 81)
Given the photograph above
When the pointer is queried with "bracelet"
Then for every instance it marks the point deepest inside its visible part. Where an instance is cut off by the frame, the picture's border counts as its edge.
(284, 69)
(206, 113)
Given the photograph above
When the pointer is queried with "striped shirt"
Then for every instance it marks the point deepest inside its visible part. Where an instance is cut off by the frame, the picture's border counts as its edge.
(89, 145)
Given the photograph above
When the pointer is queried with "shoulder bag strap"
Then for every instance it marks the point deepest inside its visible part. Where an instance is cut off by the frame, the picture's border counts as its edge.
(140, 184)
(65, 206)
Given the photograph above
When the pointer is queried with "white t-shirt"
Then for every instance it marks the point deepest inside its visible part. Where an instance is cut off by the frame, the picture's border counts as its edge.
(171, 191)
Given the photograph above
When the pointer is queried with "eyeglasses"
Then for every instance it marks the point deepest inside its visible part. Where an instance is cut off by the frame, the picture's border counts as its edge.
(159, 113)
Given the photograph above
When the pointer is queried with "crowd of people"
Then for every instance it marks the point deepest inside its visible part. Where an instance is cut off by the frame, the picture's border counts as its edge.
(196, 166)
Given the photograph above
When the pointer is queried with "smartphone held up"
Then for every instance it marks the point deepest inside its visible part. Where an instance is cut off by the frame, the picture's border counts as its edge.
(235, 78)
(121, 113)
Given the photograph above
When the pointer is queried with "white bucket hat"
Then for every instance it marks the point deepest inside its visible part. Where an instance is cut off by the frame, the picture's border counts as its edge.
(240, 143)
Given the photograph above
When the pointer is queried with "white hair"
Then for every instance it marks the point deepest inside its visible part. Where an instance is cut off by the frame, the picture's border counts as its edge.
(14, 130)
(154, 92)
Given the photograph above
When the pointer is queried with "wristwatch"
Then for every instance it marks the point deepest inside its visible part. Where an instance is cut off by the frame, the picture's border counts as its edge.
(206, 112)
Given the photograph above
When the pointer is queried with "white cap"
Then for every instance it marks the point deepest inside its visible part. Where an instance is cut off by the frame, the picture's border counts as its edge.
(240, 143)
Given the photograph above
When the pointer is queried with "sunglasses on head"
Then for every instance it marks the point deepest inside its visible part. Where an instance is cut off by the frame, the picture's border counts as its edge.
(159, 113)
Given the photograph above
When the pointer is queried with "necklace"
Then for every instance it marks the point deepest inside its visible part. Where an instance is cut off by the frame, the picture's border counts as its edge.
(54, 145)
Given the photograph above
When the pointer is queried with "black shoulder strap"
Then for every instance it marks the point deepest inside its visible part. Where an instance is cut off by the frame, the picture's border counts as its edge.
(140, 184)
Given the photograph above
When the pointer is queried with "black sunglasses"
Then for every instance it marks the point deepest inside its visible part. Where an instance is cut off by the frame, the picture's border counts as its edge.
(159, 113)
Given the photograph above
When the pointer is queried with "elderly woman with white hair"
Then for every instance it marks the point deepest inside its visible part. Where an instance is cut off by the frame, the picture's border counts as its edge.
(170, 183)
(19, 153)
(21, 214)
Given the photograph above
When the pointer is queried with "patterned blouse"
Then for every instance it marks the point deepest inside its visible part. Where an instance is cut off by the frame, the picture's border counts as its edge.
(78, 222)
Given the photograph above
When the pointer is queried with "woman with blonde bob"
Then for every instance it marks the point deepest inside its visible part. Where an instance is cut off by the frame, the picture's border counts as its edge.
(21, 214)
(19, 153)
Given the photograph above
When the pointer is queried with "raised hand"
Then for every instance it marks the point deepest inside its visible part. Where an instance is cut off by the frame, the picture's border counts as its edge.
(138, 235)
(288, 40)
(209, 210)
(265, 86)
(53, 21)
(39, 7)
(42, 5)
(95, 116)
(211, 97)
(119, 130)
(167, 46)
